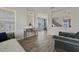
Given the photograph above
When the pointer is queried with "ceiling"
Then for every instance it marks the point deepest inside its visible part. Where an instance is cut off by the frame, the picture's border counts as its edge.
(39, 9)
(36, 9)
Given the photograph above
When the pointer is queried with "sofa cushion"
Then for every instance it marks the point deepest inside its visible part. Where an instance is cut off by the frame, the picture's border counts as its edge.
(3, 36)
(66, 34)
(10, 35)
(77, 35)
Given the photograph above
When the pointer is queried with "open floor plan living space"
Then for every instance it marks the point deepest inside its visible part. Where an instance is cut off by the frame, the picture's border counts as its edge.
(39, 29)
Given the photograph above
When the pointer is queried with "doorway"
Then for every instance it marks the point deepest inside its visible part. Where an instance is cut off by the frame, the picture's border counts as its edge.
(42, 24)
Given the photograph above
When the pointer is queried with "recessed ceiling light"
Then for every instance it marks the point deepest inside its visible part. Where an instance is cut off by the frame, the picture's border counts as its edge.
(52, 7)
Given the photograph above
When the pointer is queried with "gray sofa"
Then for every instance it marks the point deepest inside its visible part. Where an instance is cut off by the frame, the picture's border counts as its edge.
(67, 42)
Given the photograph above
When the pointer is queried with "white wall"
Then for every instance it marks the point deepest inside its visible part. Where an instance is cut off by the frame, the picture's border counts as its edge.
(75, 21)
(21, 20)
(74, 15)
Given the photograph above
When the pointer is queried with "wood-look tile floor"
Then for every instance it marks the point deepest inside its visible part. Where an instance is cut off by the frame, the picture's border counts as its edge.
(40, 43)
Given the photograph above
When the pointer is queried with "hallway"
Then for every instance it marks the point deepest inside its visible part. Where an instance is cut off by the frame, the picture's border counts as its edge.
(40, 43)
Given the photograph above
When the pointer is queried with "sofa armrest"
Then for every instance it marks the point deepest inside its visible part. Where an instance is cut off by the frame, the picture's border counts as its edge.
(11, 45)
(66, 38)
(66, 46)
(66, 43)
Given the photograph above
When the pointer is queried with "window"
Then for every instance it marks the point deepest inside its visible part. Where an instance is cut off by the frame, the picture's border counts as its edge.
(67, 23)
